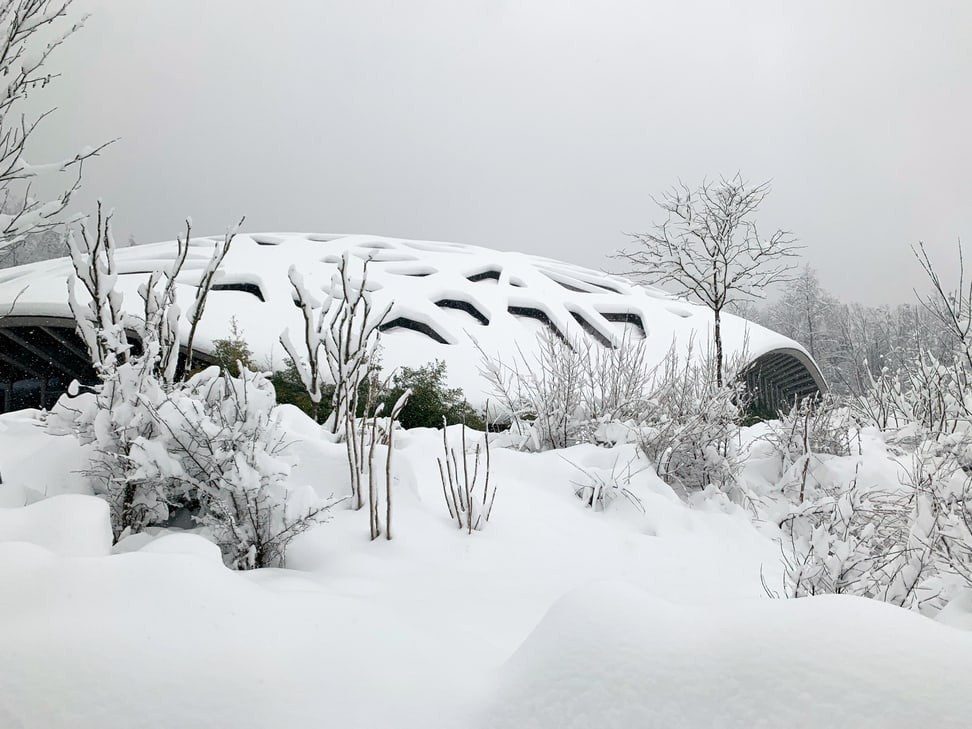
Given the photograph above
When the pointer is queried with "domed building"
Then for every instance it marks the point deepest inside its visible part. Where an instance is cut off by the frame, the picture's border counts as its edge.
(447, 301)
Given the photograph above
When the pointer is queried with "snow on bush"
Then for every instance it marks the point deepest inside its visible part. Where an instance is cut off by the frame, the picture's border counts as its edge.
(690, 426)
(904, 537)
(599, 487)
(465, 480)
(220, 450)
(578, 392)
(208, 448)
(569, 390)
(340, 348)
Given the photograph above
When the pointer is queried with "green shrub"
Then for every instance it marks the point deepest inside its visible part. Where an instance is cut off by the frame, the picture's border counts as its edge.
(431, 400)
(290, 391)
(233, 351)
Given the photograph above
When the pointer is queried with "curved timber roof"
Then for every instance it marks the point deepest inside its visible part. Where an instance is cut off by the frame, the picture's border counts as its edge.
(448, 301)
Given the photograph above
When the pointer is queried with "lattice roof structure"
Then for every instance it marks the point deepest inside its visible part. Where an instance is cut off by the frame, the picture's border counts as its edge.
(448, 301)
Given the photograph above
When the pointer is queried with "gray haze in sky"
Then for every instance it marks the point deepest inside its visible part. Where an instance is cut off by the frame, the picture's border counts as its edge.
(536, 125)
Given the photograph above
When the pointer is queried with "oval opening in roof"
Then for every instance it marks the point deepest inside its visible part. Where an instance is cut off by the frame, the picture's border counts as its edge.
(267, 240)
(490, 274)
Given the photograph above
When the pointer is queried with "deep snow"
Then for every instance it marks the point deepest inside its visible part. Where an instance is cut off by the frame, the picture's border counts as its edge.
(555, 615)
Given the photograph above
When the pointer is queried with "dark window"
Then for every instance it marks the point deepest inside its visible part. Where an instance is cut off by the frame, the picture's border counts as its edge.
(246, 288)
(463, 306)
(592, 330)
(541, 316)
(484, 276)
(416, 326)
(626, 318)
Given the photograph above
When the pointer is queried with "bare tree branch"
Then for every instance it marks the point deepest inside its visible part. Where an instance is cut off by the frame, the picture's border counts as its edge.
(710, 248)
(28, 37)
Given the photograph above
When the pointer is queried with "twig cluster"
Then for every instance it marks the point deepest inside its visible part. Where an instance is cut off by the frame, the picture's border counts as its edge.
(710, 248)
(30, 31)
(468, 497)
(569, 389)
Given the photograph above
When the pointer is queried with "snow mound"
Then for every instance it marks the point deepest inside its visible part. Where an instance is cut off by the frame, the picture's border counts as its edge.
(170, 640)
(69, 525)
(958, 612)
(35, 463)
(187, 544)
(609, 655)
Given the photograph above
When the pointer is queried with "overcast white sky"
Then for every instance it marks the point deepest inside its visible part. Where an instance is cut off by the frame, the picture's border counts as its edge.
(536, 125)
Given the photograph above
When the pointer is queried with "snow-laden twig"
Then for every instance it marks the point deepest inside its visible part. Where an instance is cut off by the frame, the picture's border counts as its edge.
(468, 497)
(30, 31)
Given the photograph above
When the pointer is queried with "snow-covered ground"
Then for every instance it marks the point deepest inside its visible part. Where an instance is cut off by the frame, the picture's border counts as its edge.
(555, 615)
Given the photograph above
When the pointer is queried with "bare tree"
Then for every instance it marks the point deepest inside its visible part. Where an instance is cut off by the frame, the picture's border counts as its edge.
(206, 282)
(807, 313)
(39, 245)
(710, 248)
(30, 30)
(341, 334)
(952, 309)
(802, 312)
(100, 319)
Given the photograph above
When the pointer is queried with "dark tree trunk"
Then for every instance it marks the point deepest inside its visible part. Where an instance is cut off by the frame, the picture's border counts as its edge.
(718, 345)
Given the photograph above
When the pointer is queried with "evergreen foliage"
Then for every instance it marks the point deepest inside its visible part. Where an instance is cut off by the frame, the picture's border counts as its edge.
(233, 351)
(432, 402)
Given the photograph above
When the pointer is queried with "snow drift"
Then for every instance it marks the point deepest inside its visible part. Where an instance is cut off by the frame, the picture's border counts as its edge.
(610, 655)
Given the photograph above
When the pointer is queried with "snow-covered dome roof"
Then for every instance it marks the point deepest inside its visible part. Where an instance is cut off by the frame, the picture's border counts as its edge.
(448, 301)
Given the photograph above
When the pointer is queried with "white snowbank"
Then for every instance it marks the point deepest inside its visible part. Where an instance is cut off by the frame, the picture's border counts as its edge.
(185, 544)
(958, 612)
(71, 525)
(417, 632)
(171, 640)
(611, 655)
(34, 464)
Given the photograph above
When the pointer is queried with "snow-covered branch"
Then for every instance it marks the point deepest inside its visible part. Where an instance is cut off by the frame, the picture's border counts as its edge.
(710, 248)
(30, 31)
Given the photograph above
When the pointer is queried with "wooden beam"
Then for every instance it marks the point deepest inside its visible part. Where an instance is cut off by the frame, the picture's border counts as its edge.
(19, 365)
(37, 352)
(66, 343)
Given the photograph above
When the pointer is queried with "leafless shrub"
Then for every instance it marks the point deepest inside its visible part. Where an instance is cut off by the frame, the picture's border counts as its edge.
(129, 384)
(378, 432)
(569, 388)
(98, 320)
(30, 31)
(810, 428)
(597, 489)
(906, 546)
(219, 445)
(689, 427)
(468, 497)
(341, 334)
(927, 396)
